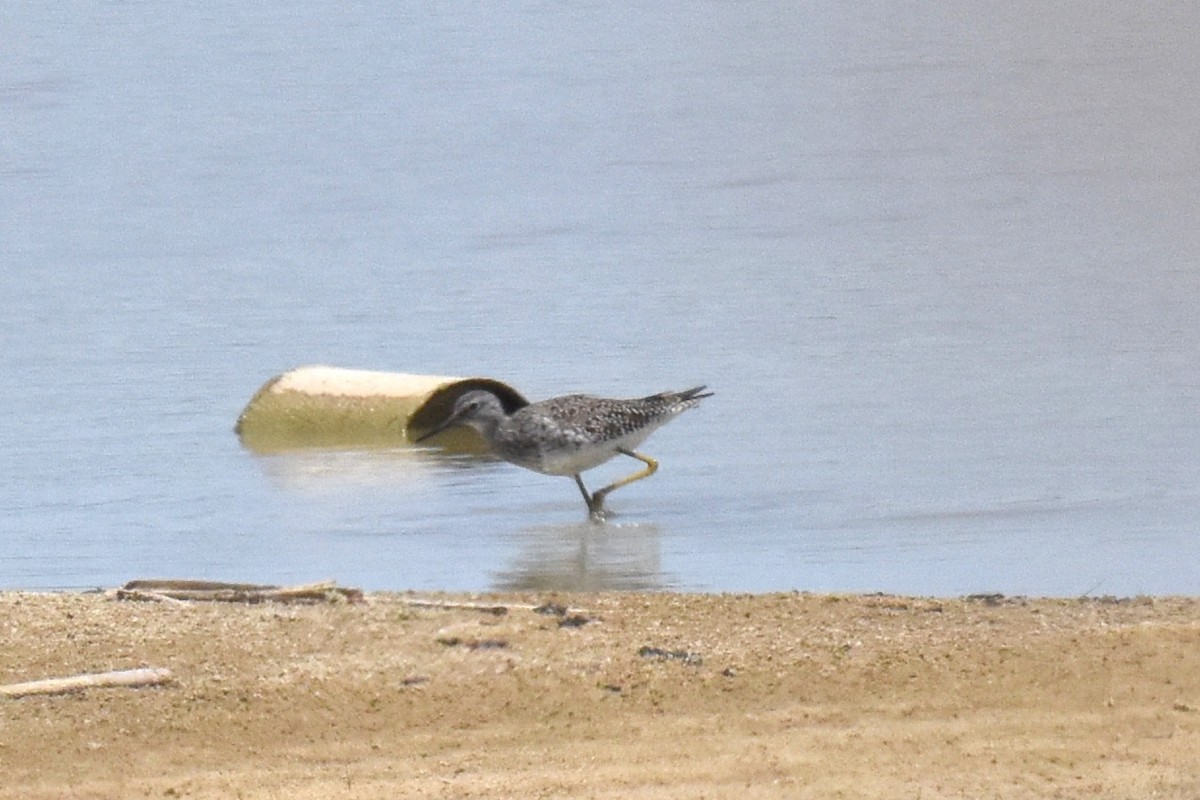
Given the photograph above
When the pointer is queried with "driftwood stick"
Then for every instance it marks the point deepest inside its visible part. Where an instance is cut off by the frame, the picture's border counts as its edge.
(125, 677)
(161, 584)
(213, 591)
(148, 596)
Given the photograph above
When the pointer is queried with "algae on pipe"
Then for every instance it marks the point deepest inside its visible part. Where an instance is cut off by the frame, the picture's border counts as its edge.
(322, 406)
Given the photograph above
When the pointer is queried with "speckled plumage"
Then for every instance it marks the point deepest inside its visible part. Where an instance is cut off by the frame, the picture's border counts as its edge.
(570, 434)
(573, 433)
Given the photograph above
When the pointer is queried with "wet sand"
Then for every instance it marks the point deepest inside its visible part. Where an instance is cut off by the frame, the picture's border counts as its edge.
(608, 696)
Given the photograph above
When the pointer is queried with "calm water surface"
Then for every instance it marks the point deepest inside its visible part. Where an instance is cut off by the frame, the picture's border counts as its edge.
(942, 271)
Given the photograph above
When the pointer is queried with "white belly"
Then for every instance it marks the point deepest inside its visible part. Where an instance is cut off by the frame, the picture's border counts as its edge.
(576, 459)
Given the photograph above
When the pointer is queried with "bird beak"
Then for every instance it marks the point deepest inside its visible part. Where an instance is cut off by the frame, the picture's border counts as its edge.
(450, 423)
(428, 434)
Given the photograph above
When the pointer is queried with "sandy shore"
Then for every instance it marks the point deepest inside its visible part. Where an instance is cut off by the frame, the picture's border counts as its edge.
(621, 696)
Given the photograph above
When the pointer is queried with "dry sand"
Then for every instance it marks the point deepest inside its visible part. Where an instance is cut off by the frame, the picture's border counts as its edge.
(624, 696)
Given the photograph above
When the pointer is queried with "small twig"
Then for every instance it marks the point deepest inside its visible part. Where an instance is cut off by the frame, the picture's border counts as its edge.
(487, 608)
(498, 609)
(126, 677)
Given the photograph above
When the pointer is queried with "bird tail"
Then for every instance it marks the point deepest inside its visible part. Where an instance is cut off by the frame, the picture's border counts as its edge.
(695, 393)
(688, 398)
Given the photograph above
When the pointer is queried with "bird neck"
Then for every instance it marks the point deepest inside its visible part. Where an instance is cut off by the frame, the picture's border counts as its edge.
(487, 422)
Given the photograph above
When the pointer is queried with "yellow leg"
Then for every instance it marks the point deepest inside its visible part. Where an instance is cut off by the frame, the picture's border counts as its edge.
(596, 505)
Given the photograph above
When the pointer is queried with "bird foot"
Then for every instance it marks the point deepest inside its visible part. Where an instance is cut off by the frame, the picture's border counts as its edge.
(596, 512)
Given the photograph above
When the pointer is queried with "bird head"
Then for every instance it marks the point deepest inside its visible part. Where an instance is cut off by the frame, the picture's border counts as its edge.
(478, 408)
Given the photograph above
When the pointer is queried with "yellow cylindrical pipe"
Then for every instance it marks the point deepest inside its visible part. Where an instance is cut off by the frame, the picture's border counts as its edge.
(321, 406)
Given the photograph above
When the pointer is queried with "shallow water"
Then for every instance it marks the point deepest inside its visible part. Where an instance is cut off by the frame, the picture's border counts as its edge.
(940, 271)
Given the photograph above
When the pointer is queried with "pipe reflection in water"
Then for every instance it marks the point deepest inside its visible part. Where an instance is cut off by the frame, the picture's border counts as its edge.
(584, 556)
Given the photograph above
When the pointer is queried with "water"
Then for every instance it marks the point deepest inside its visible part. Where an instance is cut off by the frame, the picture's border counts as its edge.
(940, 269)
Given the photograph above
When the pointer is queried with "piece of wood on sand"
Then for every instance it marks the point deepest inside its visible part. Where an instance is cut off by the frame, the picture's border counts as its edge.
(216, 591)
(94, 680)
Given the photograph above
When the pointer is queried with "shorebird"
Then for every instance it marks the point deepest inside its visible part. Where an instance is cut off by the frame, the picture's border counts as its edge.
(571, 434)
